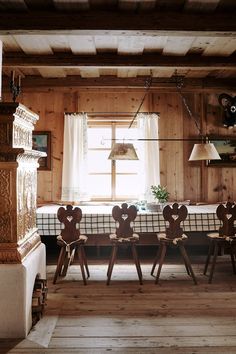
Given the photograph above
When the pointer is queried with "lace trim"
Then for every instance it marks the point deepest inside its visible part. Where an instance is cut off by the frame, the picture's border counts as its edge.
(134, 237)
(175, 240)
(223, 237)
(82, 237)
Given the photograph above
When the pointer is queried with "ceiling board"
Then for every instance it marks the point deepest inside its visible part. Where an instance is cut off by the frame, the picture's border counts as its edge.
(82, 45)
(130, 45)
(89, 72)
(177, 46)
(122, 39)
(33, 44)
(52, 72)
(221, 46)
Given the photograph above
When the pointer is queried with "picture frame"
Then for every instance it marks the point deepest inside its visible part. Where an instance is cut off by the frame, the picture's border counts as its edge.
(226, 147)
(42, 142)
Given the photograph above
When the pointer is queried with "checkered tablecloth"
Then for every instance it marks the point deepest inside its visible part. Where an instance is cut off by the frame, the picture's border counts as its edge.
(200, 218)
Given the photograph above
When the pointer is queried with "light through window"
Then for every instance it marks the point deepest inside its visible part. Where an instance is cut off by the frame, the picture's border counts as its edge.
(111, 180)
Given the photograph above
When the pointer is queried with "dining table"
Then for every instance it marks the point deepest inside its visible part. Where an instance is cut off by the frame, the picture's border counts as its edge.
(97, 222)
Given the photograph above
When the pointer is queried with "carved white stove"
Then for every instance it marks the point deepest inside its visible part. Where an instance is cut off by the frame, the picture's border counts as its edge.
(22, 255)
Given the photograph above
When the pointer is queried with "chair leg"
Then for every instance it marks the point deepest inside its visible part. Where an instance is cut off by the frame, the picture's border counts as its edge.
(111, 263)
(67, 262)
(210, 249)
(156, 260)
(85, 260)
(81, 263)
(216, 249)
(110, 260)
(137, 263)
(187, 262)
(187, 267)
(162, 257)
(59, 264)
(232, 260)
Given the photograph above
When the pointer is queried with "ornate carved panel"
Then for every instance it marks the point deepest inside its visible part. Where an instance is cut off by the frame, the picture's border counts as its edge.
(17, 123)
(4, 134)
(26, 198)
(15, 253)
(5, 206)
(18, 183)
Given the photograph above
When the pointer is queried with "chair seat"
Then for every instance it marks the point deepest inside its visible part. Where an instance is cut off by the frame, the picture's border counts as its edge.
(165, 238)
(216, 235)
(71, 245)
(81, 239)
(119, 239)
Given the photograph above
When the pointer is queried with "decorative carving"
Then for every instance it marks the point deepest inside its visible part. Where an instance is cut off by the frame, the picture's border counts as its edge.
(15, 253)
(18, 183)
(22, 127)
(4, 134)
(26, 201)
(22, 137)
(17, 125)
(5, 206)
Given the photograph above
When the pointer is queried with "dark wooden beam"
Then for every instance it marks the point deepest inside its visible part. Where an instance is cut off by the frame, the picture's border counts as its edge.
(65, 60)
(39, 5)
(217, 24)
(168, 84)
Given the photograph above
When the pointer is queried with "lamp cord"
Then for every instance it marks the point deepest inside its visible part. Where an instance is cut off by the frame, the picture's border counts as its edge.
(179, 85)
(147, 86)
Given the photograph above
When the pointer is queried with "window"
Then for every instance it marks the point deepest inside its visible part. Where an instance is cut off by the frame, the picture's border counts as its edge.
(111, 180)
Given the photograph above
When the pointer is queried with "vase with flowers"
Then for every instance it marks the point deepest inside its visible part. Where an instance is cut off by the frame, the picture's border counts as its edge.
(161, 194)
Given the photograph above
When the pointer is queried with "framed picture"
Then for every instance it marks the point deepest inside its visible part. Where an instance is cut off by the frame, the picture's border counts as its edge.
(226, 147)
(42, 142)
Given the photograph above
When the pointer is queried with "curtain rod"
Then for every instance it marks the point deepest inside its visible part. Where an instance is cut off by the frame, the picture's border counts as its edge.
(161, 139)
(110, 113)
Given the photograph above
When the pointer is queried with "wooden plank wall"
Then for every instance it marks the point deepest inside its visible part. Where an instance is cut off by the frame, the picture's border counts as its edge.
(184, 179)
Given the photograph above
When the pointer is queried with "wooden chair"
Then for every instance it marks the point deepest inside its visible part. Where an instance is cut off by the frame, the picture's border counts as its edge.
(124, 236)
(224, 239)
(71, 242)
(174, 237)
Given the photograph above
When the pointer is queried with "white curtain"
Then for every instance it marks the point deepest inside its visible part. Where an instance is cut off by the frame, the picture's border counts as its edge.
(74, 170)
(148, 155)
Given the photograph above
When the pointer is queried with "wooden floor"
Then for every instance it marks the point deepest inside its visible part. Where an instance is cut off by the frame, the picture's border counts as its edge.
(175, 316)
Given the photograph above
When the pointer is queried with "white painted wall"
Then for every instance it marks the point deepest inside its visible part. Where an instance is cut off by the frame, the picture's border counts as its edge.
(17, 281)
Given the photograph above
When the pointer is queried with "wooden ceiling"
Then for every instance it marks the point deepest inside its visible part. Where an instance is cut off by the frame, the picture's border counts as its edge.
(99, 41)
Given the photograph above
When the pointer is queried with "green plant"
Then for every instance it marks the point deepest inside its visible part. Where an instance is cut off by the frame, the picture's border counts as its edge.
(160, 193)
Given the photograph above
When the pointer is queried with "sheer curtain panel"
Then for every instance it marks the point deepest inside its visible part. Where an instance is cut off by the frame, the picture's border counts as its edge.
(148, 151)
(74, 170)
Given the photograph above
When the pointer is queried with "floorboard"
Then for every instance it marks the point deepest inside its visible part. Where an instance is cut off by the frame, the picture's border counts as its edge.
(174, 316)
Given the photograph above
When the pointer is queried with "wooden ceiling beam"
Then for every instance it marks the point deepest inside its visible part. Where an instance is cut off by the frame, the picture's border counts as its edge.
(207, 84)
(111, 60)
(156, 22)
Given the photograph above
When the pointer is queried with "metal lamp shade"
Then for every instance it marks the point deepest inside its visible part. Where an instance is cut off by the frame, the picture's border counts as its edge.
(123, 152)
(204, 152)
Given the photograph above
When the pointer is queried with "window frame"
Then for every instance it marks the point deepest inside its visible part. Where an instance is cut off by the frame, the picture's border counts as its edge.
(123, 121)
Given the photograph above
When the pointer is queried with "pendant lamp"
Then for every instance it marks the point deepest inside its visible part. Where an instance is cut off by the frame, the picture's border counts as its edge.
(124, 151)
(204, 150)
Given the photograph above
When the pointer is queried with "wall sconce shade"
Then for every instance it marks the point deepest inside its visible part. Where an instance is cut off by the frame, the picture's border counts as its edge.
(204, 151)
(123, 151)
